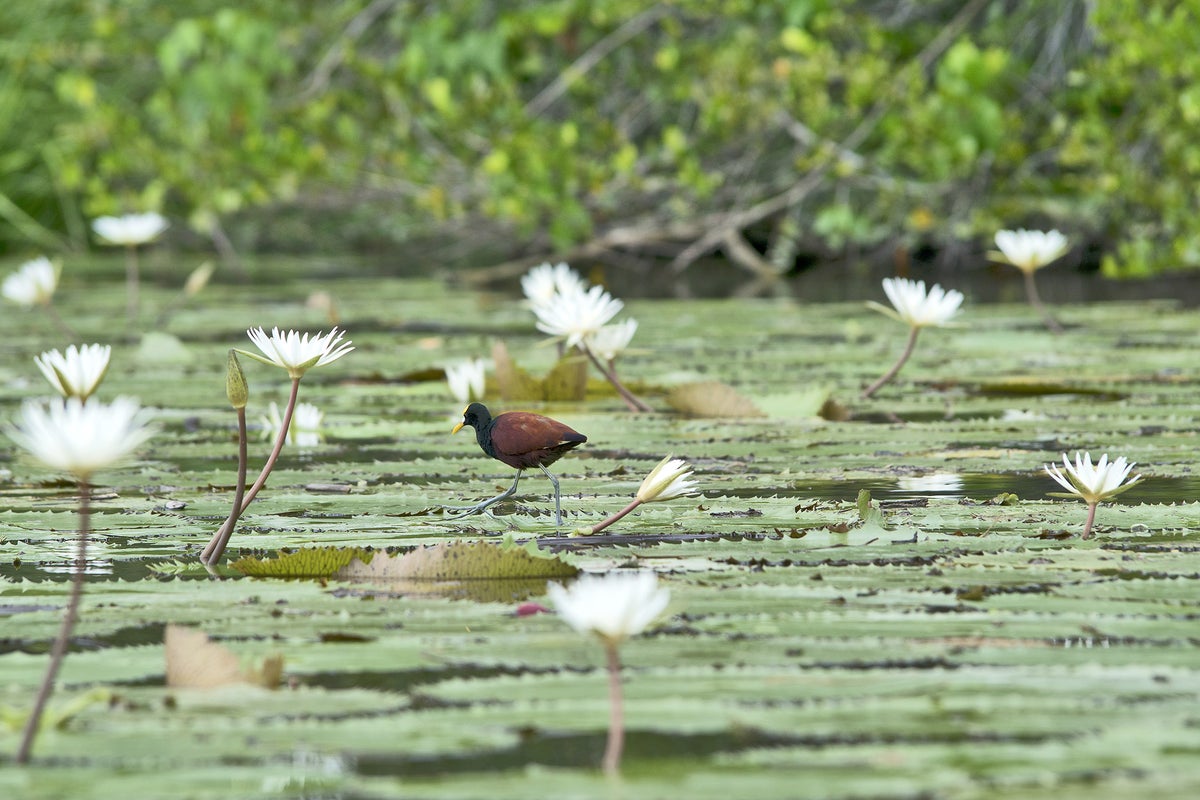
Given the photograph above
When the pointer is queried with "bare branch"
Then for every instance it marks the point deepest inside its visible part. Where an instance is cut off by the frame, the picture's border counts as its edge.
(716, 234)
(594, 55)
(319, 78)
(742, 254)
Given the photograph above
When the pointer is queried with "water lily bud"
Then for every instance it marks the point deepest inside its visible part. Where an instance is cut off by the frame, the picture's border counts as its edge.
(667, 481)
(198, 279)
(236, 388)
(77, 371)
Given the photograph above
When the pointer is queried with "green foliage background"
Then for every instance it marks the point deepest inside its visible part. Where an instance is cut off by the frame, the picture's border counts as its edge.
(558, 123)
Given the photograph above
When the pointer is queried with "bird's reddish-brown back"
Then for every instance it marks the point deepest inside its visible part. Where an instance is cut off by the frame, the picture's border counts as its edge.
(522, 439)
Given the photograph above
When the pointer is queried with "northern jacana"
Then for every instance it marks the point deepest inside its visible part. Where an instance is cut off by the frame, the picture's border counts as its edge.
(523, 440)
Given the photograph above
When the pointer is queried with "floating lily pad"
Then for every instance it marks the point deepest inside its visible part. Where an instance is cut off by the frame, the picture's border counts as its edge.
(953, 637)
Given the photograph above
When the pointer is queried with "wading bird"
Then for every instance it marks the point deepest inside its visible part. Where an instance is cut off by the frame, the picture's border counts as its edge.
(522, 440)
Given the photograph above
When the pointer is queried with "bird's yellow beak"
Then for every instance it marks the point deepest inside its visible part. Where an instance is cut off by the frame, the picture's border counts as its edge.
(458, 427)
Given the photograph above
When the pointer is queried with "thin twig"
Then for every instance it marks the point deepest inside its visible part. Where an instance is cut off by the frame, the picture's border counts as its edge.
(742, 254)
(594, 55)
(739, 220)
(319, 78)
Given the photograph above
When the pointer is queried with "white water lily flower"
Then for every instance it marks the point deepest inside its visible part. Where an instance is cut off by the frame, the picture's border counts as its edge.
(668, 480)
(933, 482)
(305, 430)
(1093, 483)
(544, 282)
(33, 283)
(576, 315)
(130, 230)
(81, 438)
(1030, 250)
(611, 340)
(295, 352)
(614, 606)
(466, 379)
(916, 307)
(77, 371)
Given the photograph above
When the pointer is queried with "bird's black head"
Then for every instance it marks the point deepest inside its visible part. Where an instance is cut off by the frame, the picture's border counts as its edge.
(478, 417)
(475, 415)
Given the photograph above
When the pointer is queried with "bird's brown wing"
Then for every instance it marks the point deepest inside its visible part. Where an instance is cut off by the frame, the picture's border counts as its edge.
(517, 433)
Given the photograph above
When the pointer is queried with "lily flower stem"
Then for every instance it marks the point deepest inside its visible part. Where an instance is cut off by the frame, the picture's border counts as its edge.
(602, 525)
(1091, 518)
(1035, 300)
(275, 451)
(616, 715)
(891, 373)
(631, 400)
(60, 323)
(164, 316)
(240, 507)
(58, 651)
(212, 554)
(131, 283)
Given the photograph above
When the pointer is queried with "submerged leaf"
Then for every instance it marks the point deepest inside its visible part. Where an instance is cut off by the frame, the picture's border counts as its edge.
(864, 504)
(1033, 385)
(195, 662)
(163, 348)
(460, 561)
(311, 562)
(567, 380)
(870, 514)
(711, 399)
(514, 382)
(810, 401)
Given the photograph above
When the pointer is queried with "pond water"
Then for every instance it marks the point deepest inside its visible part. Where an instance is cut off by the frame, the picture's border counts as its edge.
(984, 487)
(939, 648)
(840, 282)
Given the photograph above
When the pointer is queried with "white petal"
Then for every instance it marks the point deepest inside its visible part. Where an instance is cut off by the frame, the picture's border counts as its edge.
(79, 438)
(614, 606)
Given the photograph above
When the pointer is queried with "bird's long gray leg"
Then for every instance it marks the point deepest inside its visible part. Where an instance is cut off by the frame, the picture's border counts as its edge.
(557, 496)
(466, 511)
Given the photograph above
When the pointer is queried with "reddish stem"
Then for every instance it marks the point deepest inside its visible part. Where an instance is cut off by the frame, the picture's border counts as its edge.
(58, 651)
(616, 716)
(279, 440)
(1036, 301)
(891, 373)
(131, 284)
(226, 530)
(635, 404)
(1091, 518)
(602, 525)
(57, 319)
(216, 548)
